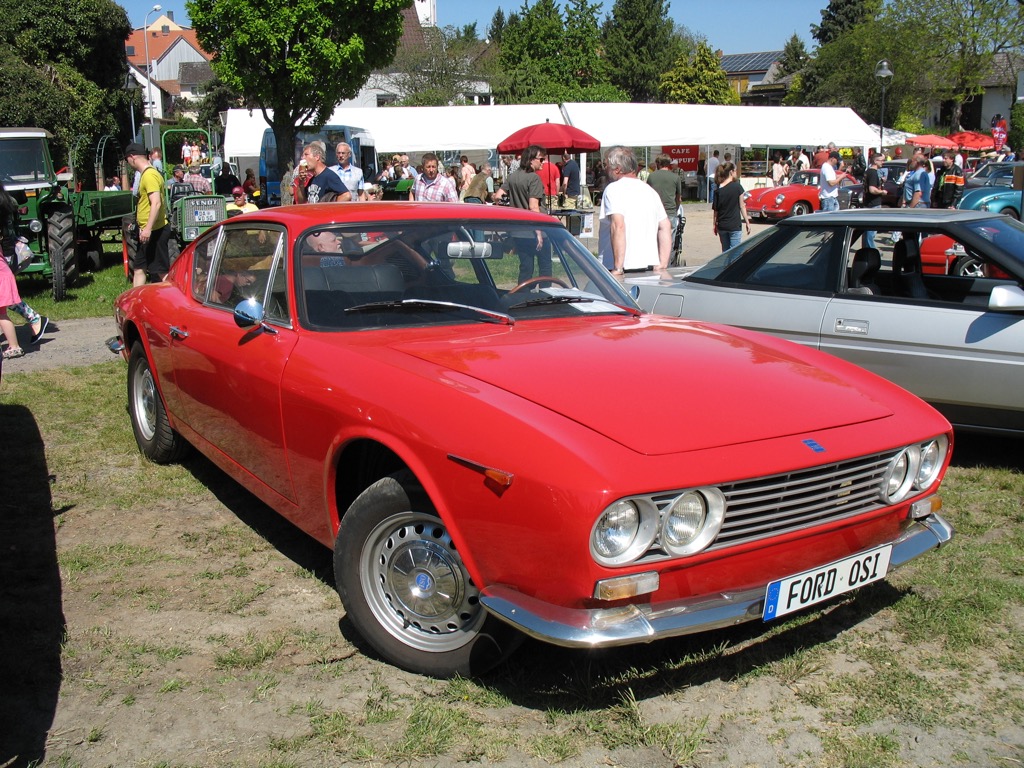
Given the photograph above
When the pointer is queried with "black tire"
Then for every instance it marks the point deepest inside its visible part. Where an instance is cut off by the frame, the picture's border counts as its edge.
(60, 235)
(91, 258)
(157, 441)
(406, 590)
(1011, 213)
(801, 208)
(969, 266)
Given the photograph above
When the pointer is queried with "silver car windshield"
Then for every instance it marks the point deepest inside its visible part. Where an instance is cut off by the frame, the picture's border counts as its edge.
(385, 274)
(1006, 236)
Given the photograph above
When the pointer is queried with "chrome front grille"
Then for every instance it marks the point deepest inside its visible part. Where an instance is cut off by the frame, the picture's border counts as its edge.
(770, 506)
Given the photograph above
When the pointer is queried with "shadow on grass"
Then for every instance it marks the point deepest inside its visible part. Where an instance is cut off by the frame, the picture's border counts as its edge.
(977, 450)
(32, 623)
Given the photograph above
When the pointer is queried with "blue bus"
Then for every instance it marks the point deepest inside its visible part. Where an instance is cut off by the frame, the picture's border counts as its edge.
(363, 154)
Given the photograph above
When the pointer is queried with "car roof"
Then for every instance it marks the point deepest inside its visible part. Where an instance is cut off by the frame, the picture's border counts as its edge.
(325, 214)
(925, 217)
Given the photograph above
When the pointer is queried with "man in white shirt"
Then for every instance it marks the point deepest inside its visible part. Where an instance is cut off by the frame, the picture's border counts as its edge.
(348, 173)
(712, 169)
(635, 233)
(828, 182)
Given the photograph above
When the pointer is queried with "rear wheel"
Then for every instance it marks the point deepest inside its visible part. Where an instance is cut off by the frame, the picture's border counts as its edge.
(153, 433)
(801, 208)
(406, 590)
(60, 233)
(969, 266)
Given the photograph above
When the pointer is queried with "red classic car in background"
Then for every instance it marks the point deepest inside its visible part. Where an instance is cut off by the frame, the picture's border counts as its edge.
(457, 400)
(798, 197)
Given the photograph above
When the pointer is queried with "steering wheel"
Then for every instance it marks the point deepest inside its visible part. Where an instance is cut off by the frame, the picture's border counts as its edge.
(538, 279)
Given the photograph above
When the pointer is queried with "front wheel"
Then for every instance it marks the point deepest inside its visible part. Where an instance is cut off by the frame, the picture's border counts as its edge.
(801, 209)
(153, 432)
(60, 235)
(406, 590)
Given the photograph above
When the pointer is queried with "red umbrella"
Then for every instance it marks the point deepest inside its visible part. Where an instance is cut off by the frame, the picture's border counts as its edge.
(972, 140)
(554, 137)
(931, 140)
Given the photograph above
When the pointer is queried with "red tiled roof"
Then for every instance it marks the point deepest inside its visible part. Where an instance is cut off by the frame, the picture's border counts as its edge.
(159, 43)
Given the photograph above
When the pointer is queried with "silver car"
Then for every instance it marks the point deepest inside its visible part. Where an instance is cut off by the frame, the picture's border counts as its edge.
(908, 309)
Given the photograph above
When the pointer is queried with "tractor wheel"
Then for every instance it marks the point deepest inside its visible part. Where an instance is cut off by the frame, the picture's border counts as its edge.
(91, 256)
(60, 230)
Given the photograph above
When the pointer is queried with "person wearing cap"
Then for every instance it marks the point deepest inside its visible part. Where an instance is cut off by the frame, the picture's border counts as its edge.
(197, 180)
(152, 252)
(828, 182)
(239, 203)
(177, 177)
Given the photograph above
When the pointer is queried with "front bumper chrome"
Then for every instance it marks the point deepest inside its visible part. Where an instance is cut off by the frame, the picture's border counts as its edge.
(623, 625)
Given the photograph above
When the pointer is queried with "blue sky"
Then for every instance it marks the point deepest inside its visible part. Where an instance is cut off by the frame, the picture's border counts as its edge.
(734, 26)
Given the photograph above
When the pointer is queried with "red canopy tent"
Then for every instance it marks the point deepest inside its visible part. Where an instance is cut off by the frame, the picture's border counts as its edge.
(554, 137)
(931, 140)
(972, 140)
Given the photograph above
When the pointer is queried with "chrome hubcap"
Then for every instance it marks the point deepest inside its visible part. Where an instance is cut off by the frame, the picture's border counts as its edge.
(145, 403)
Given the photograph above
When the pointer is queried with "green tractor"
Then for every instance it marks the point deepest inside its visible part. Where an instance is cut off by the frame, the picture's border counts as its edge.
(62, 225)
(189, 213)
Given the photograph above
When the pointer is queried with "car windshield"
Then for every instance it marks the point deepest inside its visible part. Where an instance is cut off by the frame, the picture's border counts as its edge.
(1005, 234)
(715, 267)
(805, 178)
(23, 161)
(993, 173)
(384, 274)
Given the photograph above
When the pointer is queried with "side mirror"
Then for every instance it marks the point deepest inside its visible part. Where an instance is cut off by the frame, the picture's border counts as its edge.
(249, 314)
(1006, 298)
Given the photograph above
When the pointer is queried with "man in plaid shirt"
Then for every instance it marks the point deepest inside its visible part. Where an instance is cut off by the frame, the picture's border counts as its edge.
(432, 185)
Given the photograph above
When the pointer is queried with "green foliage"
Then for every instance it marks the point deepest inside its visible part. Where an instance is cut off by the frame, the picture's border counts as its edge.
(794, 56)
(298, 58)
(545, 58)
(64, 70)
(639, 44)
(217, 98)
(840, 16)
(440, 73)
(1015, 137)
(497, 27)
(698, 79)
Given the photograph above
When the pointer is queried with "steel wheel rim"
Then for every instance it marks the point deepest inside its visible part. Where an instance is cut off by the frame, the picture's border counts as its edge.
(144, 399)
(415, 584)
(972, 268)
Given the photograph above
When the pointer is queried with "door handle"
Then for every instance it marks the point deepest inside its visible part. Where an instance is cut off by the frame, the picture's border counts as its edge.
(178, 333)
(852, 327)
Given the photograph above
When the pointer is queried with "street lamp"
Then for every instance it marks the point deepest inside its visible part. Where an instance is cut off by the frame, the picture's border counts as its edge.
(883, 74)
(131, 86)
(149, 68)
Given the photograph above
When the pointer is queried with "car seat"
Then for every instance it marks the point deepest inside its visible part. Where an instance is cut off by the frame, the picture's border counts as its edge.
(906, 265)
(866, 263)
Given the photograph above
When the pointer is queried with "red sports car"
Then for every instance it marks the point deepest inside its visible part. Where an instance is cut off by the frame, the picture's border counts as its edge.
(466, 406)
(798, 197)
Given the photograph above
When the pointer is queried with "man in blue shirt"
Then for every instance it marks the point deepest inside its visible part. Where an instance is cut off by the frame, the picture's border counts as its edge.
(350, 174)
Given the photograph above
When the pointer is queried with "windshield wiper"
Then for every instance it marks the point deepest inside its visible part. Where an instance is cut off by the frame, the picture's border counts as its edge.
(552, 300)
(486, 315)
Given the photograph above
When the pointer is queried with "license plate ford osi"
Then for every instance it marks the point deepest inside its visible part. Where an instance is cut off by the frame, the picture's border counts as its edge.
(810, 587)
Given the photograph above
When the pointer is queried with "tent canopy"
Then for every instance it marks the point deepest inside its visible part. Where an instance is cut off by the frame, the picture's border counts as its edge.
(422, 129)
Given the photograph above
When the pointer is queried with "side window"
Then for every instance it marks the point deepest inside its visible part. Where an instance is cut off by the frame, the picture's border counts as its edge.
(245, 266)
(809, 260)
(201, 260)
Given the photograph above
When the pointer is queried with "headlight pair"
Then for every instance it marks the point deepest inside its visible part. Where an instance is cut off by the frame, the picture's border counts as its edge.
(630, 527)
(914, 469)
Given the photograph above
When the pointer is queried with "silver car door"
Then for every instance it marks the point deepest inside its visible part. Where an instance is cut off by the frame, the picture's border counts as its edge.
(961, 357)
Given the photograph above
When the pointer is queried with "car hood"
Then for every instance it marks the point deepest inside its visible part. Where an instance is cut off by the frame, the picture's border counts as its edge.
(975, 197)
(660, 386)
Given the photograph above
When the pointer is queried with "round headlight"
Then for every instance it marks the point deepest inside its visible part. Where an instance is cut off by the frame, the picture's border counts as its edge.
(35, 226)
(779, 199)
(933, 455)
(684, 520)
(899, 477)
(616, 529)
(623, 532)
(692, 521)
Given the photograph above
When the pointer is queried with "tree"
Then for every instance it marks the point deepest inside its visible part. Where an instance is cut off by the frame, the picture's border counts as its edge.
(217, 98)
(439, 74)
(698, 79)
(794, 56)
(840, 16)
(961, 42)
(545, 58)
(1015, 138)
(64, 70)
(638, 44)
(497, 27)
(297, 58)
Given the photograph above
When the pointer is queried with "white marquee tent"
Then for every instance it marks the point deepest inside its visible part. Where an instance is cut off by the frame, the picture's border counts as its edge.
(422, 129)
